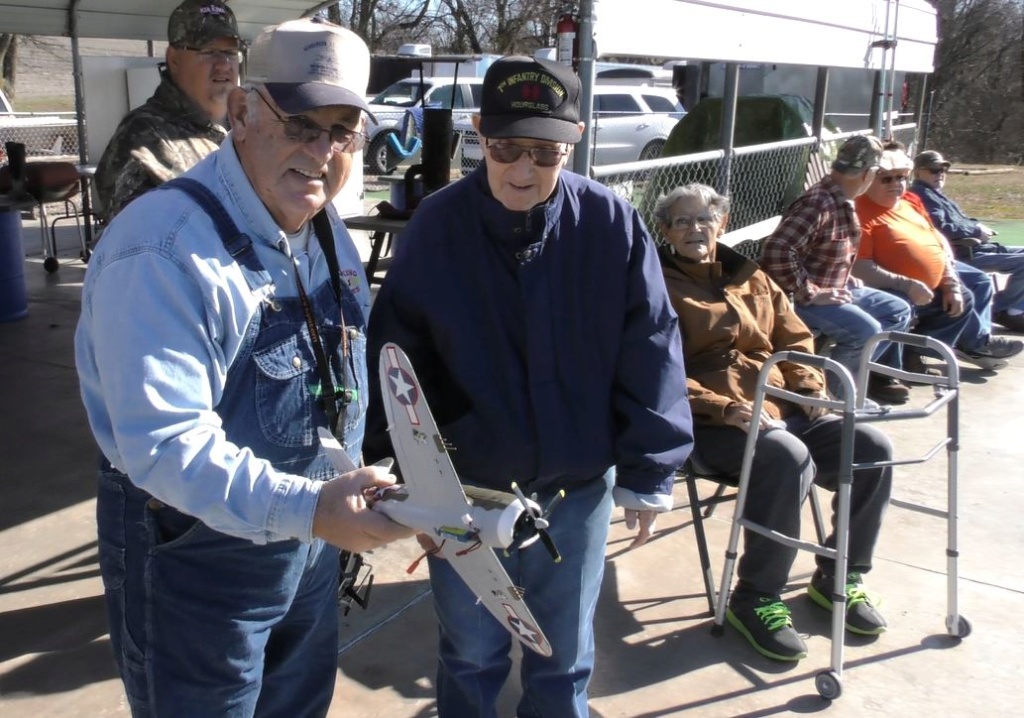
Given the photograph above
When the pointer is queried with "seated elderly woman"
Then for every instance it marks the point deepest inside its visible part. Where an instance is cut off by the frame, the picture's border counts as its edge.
(732, 318)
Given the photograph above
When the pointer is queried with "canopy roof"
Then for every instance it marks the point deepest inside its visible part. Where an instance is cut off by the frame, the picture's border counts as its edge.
(822, 33)
(134, 19)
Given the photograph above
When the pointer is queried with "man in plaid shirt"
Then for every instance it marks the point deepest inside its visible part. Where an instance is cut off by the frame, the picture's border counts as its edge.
(810, 255)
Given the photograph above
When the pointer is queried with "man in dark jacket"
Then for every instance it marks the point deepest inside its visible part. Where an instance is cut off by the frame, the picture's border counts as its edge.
(972, 240)
(531, 305)
(184, 119)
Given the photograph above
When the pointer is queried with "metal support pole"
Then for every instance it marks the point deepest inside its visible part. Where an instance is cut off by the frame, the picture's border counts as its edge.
(732, 86)
(892, 70)
(588, 54)
(877, 100)
(927, 122)
(919, 115)
(83, 138)
(820, 97)
(875, 113)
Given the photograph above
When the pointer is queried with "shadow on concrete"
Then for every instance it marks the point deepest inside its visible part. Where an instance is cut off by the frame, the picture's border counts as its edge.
(41, 406)
(68, 644)
(54, 570)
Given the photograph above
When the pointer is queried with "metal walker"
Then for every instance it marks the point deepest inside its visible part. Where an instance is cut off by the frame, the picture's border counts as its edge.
(946, 394)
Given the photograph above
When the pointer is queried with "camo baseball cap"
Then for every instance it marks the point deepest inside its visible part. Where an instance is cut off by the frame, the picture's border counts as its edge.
(524, 97)
(860, 152)
(197, 23)
(310, 63)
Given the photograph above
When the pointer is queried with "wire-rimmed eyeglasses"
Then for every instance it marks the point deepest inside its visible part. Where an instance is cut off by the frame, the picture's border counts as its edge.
(301, 129)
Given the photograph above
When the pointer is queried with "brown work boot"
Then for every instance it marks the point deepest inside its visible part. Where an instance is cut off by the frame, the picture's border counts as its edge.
(913, 363)
(887, 389)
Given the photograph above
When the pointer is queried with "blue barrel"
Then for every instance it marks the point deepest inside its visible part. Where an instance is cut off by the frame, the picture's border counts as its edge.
(13, 299)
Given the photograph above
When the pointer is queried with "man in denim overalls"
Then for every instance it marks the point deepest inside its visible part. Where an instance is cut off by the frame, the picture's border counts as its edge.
(223, 322)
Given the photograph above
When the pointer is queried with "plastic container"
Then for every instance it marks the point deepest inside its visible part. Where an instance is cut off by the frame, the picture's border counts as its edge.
(13, 297)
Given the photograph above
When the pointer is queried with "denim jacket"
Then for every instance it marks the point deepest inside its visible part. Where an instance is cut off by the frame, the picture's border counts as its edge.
(165, 311)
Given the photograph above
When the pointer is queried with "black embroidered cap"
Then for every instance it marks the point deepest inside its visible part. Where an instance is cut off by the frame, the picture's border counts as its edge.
(524, 97)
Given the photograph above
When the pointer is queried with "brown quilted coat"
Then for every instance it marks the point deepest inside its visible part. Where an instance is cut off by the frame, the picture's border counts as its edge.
(732, 317)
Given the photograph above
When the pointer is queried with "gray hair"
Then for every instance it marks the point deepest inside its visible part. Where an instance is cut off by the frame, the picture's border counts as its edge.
(718, 204)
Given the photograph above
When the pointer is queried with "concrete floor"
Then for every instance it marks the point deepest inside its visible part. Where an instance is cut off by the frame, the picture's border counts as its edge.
(656, 656)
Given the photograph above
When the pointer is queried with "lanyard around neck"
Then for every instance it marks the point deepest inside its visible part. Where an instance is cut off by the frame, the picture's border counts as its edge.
(331, 398)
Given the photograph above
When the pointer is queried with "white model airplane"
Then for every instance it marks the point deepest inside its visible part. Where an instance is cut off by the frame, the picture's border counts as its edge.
(467, 523)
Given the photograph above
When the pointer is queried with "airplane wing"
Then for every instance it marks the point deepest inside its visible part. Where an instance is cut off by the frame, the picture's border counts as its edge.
(419, 448)
(434, 487)
(486, 577)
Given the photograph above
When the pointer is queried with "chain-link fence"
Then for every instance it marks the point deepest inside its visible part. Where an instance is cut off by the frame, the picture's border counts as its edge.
(43, 135)
(760, 180)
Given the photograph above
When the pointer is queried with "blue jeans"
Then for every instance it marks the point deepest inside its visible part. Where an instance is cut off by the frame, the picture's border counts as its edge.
(978, 329)
(785, 463)
(933, 321)
(992, 257)
(474, 660)
(851, 325)
(210, 626)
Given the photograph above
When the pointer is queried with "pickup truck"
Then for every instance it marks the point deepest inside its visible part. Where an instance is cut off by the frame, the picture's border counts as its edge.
(43, 134)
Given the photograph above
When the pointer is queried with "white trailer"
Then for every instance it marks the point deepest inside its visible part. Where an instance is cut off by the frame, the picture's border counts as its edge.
(881, 36)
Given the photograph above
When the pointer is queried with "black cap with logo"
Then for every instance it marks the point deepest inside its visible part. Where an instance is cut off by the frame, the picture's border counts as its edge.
(537, 99)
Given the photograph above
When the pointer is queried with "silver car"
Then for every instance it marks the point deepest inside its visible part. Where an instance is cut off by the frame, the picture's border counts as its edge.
(630, 123)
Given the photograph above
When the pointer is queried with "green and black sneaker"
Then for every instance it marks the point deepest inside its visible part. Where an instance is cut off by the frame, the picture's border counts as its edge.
(765, 622)
(862, 617)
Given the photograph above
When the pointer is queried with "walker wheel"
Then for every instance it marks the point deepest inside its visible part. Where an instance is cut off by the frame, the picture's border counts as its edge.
(51, 265)
(828, 684)
(962, 629)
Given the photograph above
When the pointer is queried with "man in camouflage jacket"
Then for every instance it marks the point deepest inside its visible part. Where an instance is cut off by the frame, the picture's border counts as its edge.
(182, 122)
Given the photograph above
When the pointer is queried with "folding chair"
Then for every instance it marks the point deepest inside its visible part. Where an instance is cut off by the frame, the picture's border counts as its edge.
(700, 509)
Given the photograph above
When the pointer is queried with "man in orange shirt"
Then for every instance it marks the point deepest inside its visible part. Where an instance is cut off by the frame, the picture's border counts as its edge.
(902, 252)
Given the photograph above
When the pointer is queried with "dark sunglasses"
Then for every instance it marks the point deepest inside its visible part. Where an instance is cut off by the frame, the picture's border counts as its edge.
(938, 170)
(506, 153)
(894, 178)
(300, 129)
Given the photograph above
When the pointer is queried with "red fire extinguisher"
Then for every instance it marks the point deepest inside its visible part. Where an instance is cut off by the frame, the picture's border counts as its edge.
(567, 49)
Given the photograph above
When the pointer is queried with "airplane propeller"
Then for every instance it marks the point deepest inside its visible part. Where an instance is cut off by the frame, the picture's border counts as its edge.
(539, 519)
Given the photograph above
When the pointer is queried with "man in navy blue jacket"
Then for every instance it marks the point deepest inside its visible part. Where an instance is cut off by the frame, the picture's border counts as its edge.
(532, 307)
(930, 170)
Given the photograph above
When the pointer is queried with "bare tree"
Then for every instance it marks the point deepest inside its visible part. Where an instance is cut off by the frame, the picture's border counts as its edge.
(979, 81)
(454, 26)
(8, 63)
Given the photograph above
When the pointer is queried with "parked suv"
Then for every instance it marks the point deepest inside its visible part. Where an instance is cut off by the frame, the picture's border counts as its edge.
(390, 106)
(630, 124)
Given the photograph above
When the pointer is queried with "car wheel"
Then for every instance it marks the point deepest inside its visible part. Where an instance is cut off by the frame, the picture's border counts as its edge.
(378, 160)
(652, 151)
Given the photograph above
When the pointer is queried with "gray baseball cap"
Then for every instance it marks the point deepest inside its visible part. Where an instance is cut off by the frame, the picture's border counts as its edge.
(310, 63)
(930, 159)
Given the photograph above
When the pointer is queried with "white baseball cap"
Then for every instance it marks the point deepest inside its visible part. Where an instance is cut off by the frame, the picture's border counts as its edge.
(310, 63)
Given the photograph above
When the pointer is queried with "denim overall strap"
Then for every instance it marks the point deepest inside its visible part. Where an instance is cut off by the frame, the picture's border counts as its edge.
(236, 242)
(275, 612)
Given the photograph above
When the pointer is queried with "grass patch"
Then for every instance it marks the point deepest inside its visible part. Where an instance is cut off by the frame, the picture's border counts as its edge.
(43, 103)
(996, 195)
